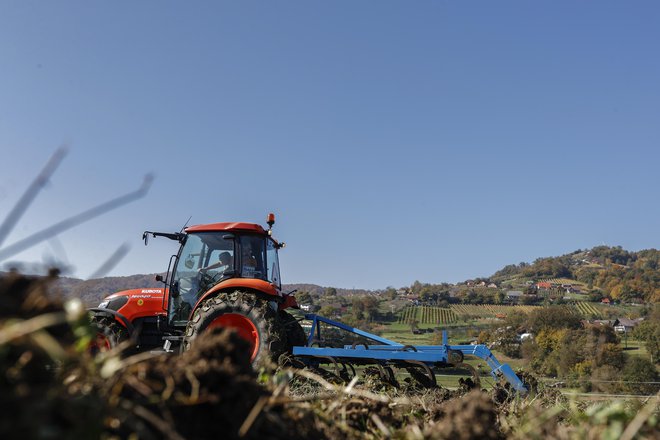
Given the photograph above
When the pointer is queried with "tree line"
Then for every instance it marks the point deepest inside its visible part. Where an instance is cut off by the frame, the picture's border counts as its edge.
(589, 356)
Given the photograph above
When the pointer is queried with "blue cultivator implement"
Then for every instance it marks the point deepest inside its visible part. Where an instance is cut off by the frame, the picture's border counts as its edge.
(419, 360)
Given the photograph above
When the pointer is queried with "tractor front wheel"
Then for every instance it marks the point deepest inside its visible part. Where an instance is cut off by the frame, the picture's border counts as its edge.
(109, 334)
(253, 319)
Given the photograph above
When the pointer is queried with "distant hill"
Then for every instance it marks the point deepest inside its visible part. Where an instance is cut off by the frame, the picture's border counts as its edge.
(612, 271)
(607, 271)
(92, 291)
(317, 290)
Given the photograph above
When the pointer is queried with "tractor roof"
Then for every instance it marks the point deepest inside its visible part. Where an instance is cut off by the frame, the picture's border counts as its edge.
(230, 226)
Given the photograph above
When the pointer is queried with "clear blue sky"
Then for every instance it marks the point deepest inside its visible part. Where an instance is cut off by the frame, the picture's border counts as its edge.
(396, 141)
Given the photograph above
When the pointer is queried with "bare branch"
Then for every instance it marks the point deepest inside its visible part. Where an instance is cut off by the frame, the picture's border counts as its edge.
(69, 223)
(29, 195)
(111, 262)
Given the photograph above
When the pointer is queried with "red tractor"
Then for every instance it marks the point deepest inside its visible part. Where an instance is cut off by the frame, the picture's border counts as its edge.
(224, 275)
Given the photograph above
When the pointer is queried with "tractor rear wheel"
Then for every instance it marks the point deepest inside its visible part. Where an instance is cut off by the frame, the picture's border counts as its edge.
(252, 318)
(295, 335)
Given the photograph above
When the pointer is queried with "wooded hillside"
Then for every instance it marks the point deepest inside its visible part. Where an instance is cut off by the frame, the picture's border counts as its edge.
(615, 272)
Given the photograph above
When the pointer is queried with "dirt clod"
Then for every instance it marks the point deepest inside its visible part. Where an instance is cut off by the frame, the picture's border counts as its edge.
(472, 416)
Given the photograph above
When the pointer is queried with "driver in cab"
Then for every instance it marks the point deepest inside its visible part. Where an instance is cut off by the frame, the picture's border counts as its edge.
(249, 261)
(206, 277)
(223, 263)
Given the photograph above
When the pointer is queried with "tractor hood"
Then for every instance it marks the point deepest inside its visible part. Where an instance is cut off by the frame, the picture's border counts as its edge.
(137, 302)
(147, 293)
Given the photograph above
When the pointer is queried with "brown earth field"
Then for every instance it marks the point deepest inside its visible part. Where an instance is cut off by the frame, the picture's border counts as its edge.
(52, 386)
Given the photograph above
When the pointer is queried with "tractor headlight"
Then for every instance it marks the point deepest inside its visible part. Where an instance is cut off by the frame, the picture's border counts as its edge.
(114, 303)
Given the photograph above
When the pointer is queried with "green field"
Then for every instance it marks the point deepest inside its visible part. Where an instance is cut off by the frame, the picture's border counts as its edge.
(398, 332)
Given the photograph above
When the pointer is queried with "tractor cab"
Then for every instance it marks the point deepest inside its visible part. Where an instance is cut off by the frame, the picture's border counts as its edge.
(211, 255)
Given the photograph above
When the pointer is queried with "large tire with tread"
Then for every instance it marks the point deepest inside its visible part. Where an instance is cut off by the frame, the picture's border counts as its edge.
(253, 318)
(295, 335)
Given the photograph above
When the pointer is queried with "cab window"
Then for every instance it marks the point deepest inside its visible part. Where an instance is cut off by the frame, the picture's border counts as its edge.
(252, 257)
(273, 263)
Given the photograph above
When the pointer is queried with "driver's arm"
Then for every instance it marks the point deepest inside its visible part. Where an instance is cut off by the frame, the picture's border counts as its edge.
(211, 266)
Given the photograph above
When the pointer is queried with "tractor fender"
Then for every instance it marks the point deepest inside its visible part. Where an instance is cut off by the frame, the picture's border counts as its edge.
(118, 316)
(254, 284)
(289, 303)
(263, 289)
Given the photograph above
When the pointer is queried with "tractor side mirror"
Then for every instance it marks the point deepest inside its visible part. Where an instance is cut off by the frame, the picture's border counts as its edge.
(159, 278)
(145, 237)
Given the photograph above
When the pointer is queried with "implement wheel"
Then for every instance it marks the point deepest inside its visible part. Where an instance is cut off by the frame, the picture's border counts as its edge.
(252, 318)
(469, 383)
(422, 374)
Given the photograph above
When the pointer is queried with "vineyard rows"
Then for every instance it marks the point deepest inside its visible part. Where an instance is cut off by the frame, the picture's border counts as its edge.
(561, 281)
(488, 310)
(456, 312)
(426, 315)
(587, 309)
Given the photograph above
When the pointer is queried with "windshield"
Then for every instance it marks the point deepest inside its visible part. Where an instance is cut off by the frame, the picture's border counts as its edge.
(205, 259)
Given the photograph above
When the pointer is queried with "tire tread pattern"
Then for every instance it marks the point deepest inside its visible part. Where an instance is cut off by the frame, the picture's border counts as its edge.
(272, 335)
